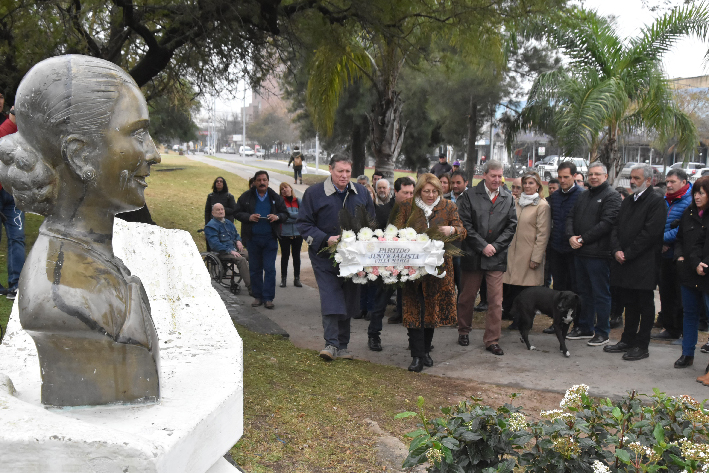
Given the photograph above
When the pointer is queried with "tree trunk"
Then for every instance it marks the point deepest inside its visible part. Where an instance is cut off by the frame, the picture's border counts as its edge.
(614, 163)
(472, 159)
(357, 149)
(387, 132)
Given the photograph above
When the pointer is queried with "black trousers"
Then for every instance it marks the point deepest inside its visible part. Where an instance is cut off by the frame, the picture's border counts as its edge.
(563, 272)
(290, 245)
(670, 298)
(639, 316)
(617, 302)
(420, 338)
(509, 294)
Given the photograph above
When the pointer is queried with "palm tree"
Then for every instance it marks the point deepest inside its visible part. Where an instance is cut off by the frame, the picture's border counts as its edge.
(610, 86)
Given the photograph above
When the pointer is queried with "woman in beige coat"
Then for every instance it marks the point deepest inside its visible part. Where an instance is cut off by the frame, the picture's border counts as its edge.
(525, 256)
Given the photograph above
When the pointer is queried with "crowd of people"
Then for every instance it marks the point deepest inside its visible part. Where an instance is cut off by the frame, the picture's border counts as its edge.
(610, 246)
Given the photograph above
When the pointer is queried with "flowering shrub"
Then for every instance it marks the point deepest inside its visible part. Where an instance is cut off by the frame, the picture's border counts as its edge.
(587, 435)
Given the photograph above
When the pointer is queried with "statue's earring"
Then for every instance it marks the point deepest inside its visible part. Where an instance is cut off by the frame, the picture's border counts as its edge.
(89, 174)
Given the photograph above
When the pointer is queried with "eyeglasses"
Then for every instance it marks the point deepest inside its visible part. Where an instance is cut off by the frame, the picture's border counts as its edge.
(430, 192)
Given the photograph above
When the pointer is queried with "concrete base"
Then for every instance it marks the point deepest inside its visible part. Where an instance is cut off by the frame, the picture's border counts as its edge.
(200, 414)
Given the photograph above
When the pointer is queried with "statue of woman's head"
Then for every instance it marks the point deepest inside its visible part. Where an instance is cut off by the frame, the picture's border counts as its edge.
(82, 125)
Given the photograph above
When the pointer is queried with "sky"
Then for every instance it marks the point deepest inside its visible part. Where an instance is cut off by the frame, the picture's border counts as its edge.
(686, 59)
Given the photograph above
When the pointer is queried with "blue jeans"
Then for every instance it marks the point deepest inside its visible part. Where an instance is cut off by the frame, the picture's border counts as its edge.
(263, 250)
(692, 300)
(336, 330)
(15, 229)
(593, 276)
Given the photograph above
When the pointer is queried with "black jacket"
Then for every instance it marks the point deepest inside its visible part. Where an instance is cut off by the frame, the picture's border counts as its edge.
(246, 206)
(224, 198)
(593, 217)
(692, 231)
(561, 204)
(486, 223)
(638, 233)
(382, 212)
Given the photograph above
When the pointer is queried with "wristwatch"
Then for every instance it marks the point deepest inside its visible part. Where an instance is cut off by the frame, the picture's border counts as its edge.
(580, 240)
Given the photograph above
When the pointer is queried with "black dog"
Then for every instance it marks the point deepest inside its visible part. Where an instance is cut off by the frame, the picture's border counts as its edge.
(560, 305)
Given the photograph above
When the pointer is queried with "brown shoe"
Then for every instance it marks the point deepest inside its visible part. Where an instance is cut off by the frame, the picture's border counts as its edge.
(269, 305)
(495, 349)
(256, 303)
(704, 379)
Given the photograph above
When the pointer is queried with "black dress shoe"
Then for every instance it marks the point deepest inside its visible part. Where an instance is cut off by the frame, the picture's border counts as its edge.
(703, 326)
(664, 335)
(427, 361)
(619, 347)
(375, 344)
(368, 316)
(463, 340)
(684, 361)
(296, 282)
(360, 315)
(416, 364)
(283, 282)
(495, 349)
(635, 354)
(549, 329)
(482, 307)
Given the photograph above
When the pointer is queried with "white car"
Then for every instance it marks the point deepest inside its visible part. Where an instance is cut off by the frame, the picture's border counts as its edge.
(260, 152)
(692, 169)
(246, 151)
(547, 167)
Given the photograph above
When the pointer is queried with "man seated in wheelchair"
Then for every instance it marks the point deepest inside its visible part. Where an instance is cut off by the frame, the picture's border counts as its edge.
(223, 238)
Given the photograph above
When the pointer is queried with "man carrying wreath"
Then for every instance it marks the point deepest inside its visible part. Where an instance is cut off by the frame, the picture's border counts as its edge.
(318, 224)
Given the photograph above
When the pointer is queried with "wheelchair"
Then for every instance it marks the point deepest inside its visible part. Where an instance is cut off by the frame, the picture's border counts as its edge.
(219, 270)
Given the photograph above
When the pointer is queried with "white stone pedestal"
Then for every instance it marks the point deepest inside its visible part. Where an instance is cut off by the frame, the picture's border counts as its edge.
(200, 414)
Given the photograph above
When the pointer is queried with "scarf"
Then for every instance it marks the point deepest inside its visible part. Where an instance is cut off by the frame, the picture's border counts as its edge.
(427, 209)
(526, 199)
(670, 198)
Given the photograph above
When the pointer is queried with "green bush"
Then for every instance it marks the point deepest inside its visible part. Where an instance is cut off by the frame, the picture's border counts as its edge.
(639, 433)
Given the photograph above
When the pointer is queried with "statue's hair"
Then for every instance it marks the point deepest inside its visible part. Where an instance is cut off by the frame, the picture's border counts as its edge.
(59, 97)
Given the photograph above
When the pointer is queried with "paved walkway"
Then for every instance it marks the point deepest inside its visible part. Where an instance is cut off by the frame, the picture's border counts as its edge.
(297, 313)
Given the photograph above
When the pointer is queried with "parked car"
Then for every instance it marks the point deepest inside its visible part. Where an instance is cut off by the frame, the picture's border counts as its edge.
(246, 151)
(692, 169)
(260, 152)
(547, 166)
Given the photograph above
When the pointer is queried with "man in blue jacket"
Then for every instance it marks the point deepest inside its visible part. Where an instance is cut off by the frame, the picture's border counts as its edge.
(677, 199)
(318, 224)
(560, 256)
(222, 237)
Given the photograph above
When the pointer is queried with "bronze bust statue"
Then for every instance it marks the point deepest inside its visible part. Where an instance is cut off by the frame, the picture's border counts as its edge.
(81, 155)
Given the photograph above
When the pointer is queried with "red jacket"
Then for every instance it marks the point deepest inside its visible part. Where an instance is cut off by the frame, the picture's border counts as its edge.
(7, 128)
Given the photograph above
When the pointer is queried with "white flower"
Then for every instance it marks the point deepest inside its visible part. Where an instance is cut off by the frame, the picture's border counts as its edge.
(599, 467)
(391, 230)
(517, 422)
(389, 279)
(407, 233)
(372, 276)
(348, 235)
(368, 269)
(389, 237)
(338, 258)
(359, 280)
(572, 398)
(422, 237)
(404, 278)
(379, 233)
(365, 234)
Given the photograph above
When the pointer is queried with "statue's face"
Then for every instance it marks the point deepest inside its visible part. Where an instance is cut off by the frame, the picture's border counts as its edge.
(129, 152)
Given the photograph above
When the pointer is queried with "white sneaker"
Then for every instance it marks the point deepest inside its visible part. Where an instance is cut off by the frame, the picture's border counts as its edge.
(328, 353)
